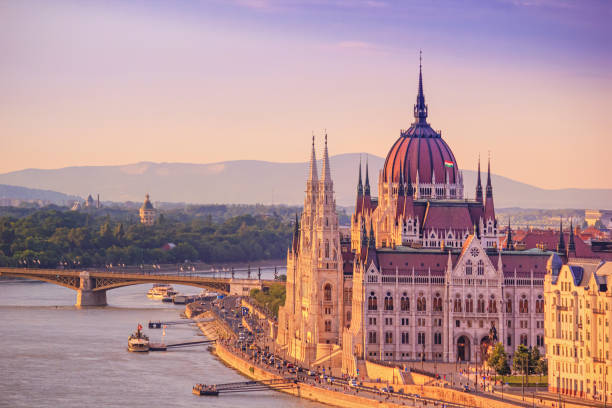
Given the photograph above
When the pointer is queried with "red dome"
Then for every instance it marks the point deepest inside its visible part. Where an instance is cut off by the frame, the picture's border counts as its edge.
(425, 153)
(421, 148)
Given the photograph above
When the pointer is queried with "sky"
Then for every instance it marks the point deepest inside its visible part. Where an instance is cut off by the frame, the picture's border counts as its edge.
(115, 82)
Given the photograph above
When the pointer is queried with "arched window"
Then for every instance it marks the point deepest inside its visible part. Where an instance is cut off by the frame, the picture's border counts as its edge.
(328, 325)
(492, 305)
(523, 339)
(457, 304)
(469, 304)
(405, 303)
(540, 304)
(372, 302)
(388, 301)
(508, 304)
(523, 305)
(480, 267)
(468, 267)
(480, 305)
(421, 303)
(437, 303)
(327, 292)
(327, 249)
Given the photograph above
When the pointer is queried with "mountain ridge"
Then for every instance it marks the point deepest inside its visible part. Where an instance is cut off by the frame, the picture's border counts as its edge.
(259, 181)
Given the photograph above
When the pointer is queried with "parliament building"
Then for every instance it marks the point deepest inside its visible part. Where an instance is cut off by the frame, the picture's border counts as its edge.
(420, 275)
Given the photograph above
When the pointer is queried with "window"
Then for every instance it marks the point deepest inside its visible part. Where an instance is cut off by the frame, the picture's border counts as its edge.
(326, 247)
(509, 340)
(372, 337)
(469, 304)
(540, 340)
(421, 338)
(388, 321)
(388, 301)
(372, 302)
(421, 322)
(372, 320)
(480, 305)
(492, 305)
(457, 323)
(405, 322)
(508, 305)
(437, 338)
(468, 267)
(405, 338)
(328, 325)
(327, 310)
(437, 303)
(457, 304)
(524, 339)
(509, 324)
(480, 267)
(421, 303)
(523, 305)
(327, 292)
(388, 337)
(539, 305)
(405, 303)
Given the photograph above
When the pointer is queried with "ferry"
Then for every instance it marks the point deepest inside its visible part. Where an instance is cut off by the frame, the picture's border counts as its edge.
(203, 389)
(160, 291)
(138, 341)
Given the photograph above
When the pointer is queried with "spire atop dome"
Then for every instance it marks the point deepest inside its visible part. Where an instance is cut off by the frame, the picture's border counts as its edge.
(420, 109)
(409, 189)
(325, 171)
(313, 175)
(400, 188)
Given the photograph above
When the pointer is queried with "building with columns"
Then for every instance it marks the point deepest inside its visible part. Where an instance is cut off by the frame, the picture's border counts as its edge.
(579, 328)
(427, 277)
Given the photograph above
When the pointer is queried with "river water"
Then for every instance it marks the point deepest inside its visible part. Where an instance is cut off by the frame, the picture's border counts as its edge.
(53, 354)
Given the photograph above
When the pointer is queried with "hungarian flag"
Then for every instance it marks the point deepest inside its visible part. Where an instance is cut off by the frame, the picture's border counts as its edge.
(448, 163)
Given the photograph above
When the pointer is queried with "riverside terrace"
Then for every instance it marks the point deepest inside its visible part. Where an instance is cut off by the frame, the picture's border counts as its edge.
(263, 356)
(91, 285)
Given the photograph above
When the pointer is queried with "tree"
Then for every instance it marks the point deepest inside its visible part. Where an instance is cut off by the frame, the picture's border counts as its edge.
(534, 360)
(498, 360)
(520, 361)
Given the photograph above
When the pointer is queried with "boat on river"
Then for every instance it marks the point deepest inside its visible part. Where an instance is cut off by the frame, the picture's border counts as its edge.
(138, 341)
(203, 389)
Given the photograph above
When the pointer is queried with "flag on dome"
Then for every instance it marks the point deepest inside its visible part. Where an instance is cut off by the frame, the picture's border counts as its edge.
(448, 163)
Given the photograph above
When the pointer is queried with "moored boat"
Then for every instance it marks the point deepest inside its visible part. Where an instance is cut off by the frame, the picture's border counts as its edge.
(203, 389)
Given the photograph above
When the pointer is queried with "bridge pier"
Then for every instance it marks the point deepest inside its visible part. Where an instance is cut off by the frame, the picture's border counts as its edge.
(86, 296)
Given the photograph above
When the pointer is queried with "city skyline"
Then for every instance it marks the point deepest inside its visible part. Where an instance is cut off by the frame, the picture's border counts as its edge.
(119, 83)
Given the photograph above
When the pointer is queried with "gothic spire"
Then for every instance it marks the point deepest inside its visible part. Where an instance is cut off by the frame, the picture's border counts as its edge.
(509, 243)
(296, 235)
(325, 171)
(409, 189)
(313, 176)
(489, 185)
(366, 189)
(420, 109)
(571, 246)
(479, 184)
(400, 188)
(372, 240)
(561, 244)
(364, 234)
(359, 184)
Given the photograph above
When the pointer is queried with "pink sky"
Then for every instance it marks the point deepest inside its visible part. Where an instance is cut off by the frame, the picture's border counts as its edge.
(117, 82)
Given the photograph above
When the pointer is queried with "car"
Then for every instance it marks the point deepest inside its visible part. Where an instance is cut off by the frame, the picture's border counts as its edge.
(384, 389)
(353, 383)
(391, 388)
(466, 388)
(311, 373)
(300, 369)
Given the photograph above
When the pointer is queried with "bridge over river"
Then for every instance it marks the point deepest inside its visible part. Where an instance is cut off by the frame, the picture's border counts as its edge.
(91, 285)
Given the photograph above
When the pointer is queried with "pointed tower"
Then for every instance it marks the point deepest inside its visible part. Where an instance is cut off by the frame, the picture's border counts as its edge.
(367, 199)
(479, 185)
(561, 249)
(296, 236)
(509, 243)
(489, 208)
(571, 246)
(359, 202)
(399, 208)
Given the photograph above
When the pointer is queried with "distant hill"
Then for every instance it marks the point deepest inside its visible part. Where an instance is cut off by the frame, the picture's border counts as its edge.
(14, 193)
(251, 181)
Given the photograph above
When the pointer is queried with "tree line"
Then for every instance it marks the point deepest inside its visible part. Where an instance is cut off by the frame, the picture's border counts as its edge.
(54, 236)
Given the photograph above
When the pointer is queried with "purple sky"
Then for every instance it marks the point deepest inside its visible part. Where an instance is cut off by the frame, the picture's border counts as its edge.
(117, 82)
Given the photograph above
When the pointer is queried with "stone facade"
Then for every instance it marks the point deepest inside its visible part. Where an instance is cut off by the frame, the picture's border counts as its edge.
(147, 212)
(578, 298)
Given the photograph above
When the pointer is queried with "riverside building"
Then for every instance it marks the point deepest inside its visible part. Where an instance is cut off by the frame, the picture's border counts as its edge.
(425, 276)
(578, 299)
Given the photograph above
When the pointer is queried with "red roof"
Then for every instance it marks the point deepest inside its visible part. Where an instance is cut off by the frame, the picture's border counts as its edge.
(549, 239)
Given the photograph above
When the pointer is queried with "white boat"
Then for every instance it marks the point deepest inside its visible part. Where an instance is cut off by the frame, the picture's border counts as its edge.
(160, 291)
(138, 341)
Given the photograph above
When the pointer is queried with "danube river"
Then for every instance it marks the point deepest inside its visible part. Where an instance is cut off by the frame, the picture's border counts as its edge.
(53, 354)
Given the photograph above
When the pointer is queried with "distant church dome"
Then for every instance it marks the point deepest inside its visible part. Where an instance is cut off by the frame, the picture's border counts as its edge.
(147, 204)
(421, 148)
